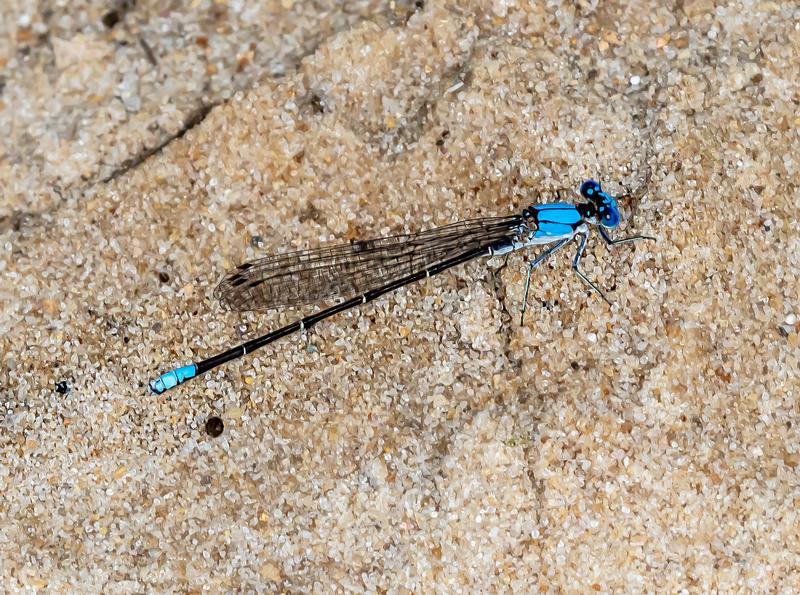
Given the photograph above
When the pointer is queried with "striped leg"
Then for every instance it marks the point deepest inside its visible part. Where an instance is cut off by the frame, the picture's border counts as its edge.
(535, 263)
(581, 247)
(611, 242)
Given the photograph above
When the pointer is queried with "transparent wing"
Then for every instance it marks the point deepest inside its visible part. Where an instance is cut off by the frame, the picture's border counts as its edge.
(348, 270)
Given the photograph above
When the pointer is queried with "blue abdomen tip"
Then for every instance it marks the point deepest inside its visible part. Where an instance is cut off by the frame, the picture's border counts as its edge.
(172, 378)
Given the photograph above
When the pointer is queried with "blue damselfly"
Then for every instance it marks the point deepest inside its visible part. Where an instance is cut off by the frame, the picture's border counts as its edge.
(362, 271)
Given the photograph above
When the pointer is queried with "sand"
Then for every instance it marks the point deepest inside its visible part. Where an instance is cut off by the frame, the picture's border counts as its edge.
(427, 442)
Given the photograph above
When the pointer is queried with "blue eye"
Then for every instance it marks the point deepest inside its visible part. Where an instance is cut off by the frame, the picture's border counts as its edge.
(590, 188)
(609, 217)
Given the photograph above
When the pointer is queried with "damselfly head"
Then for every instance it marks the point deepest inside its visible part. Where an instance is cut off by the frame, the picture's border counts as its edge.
(605, 204)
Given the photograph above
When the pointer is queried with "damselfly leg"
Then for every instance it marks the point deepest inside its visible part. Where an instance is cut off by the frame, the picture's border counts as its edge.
(576, 262)
(535, 263)
(613, 242)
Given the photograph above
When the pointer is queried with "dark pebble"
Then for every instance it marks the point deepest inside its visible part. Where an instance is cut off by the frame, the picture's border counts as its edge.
(214, 426)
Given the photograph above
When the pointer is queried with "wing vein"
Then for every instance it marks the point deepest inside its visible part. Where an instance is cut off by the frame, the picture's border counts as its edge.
(347, 270)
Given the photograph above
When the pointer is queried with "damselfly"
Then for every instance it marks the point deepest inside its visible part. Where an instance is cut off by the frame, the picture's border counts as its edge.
(360, 272)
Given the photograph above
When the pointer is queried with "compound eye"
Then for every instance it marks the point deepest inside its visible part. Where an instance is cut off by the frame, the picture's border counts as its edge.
(609, 217)
(590, 189)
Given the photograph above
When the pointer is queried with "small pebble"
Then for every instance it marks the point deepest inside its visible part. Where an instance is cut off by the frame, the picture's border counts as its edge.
(214, 426)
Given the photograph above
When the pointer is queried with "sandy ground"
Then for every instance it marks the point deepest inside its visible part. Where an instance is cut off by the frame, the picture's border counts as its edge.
(426, 442)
